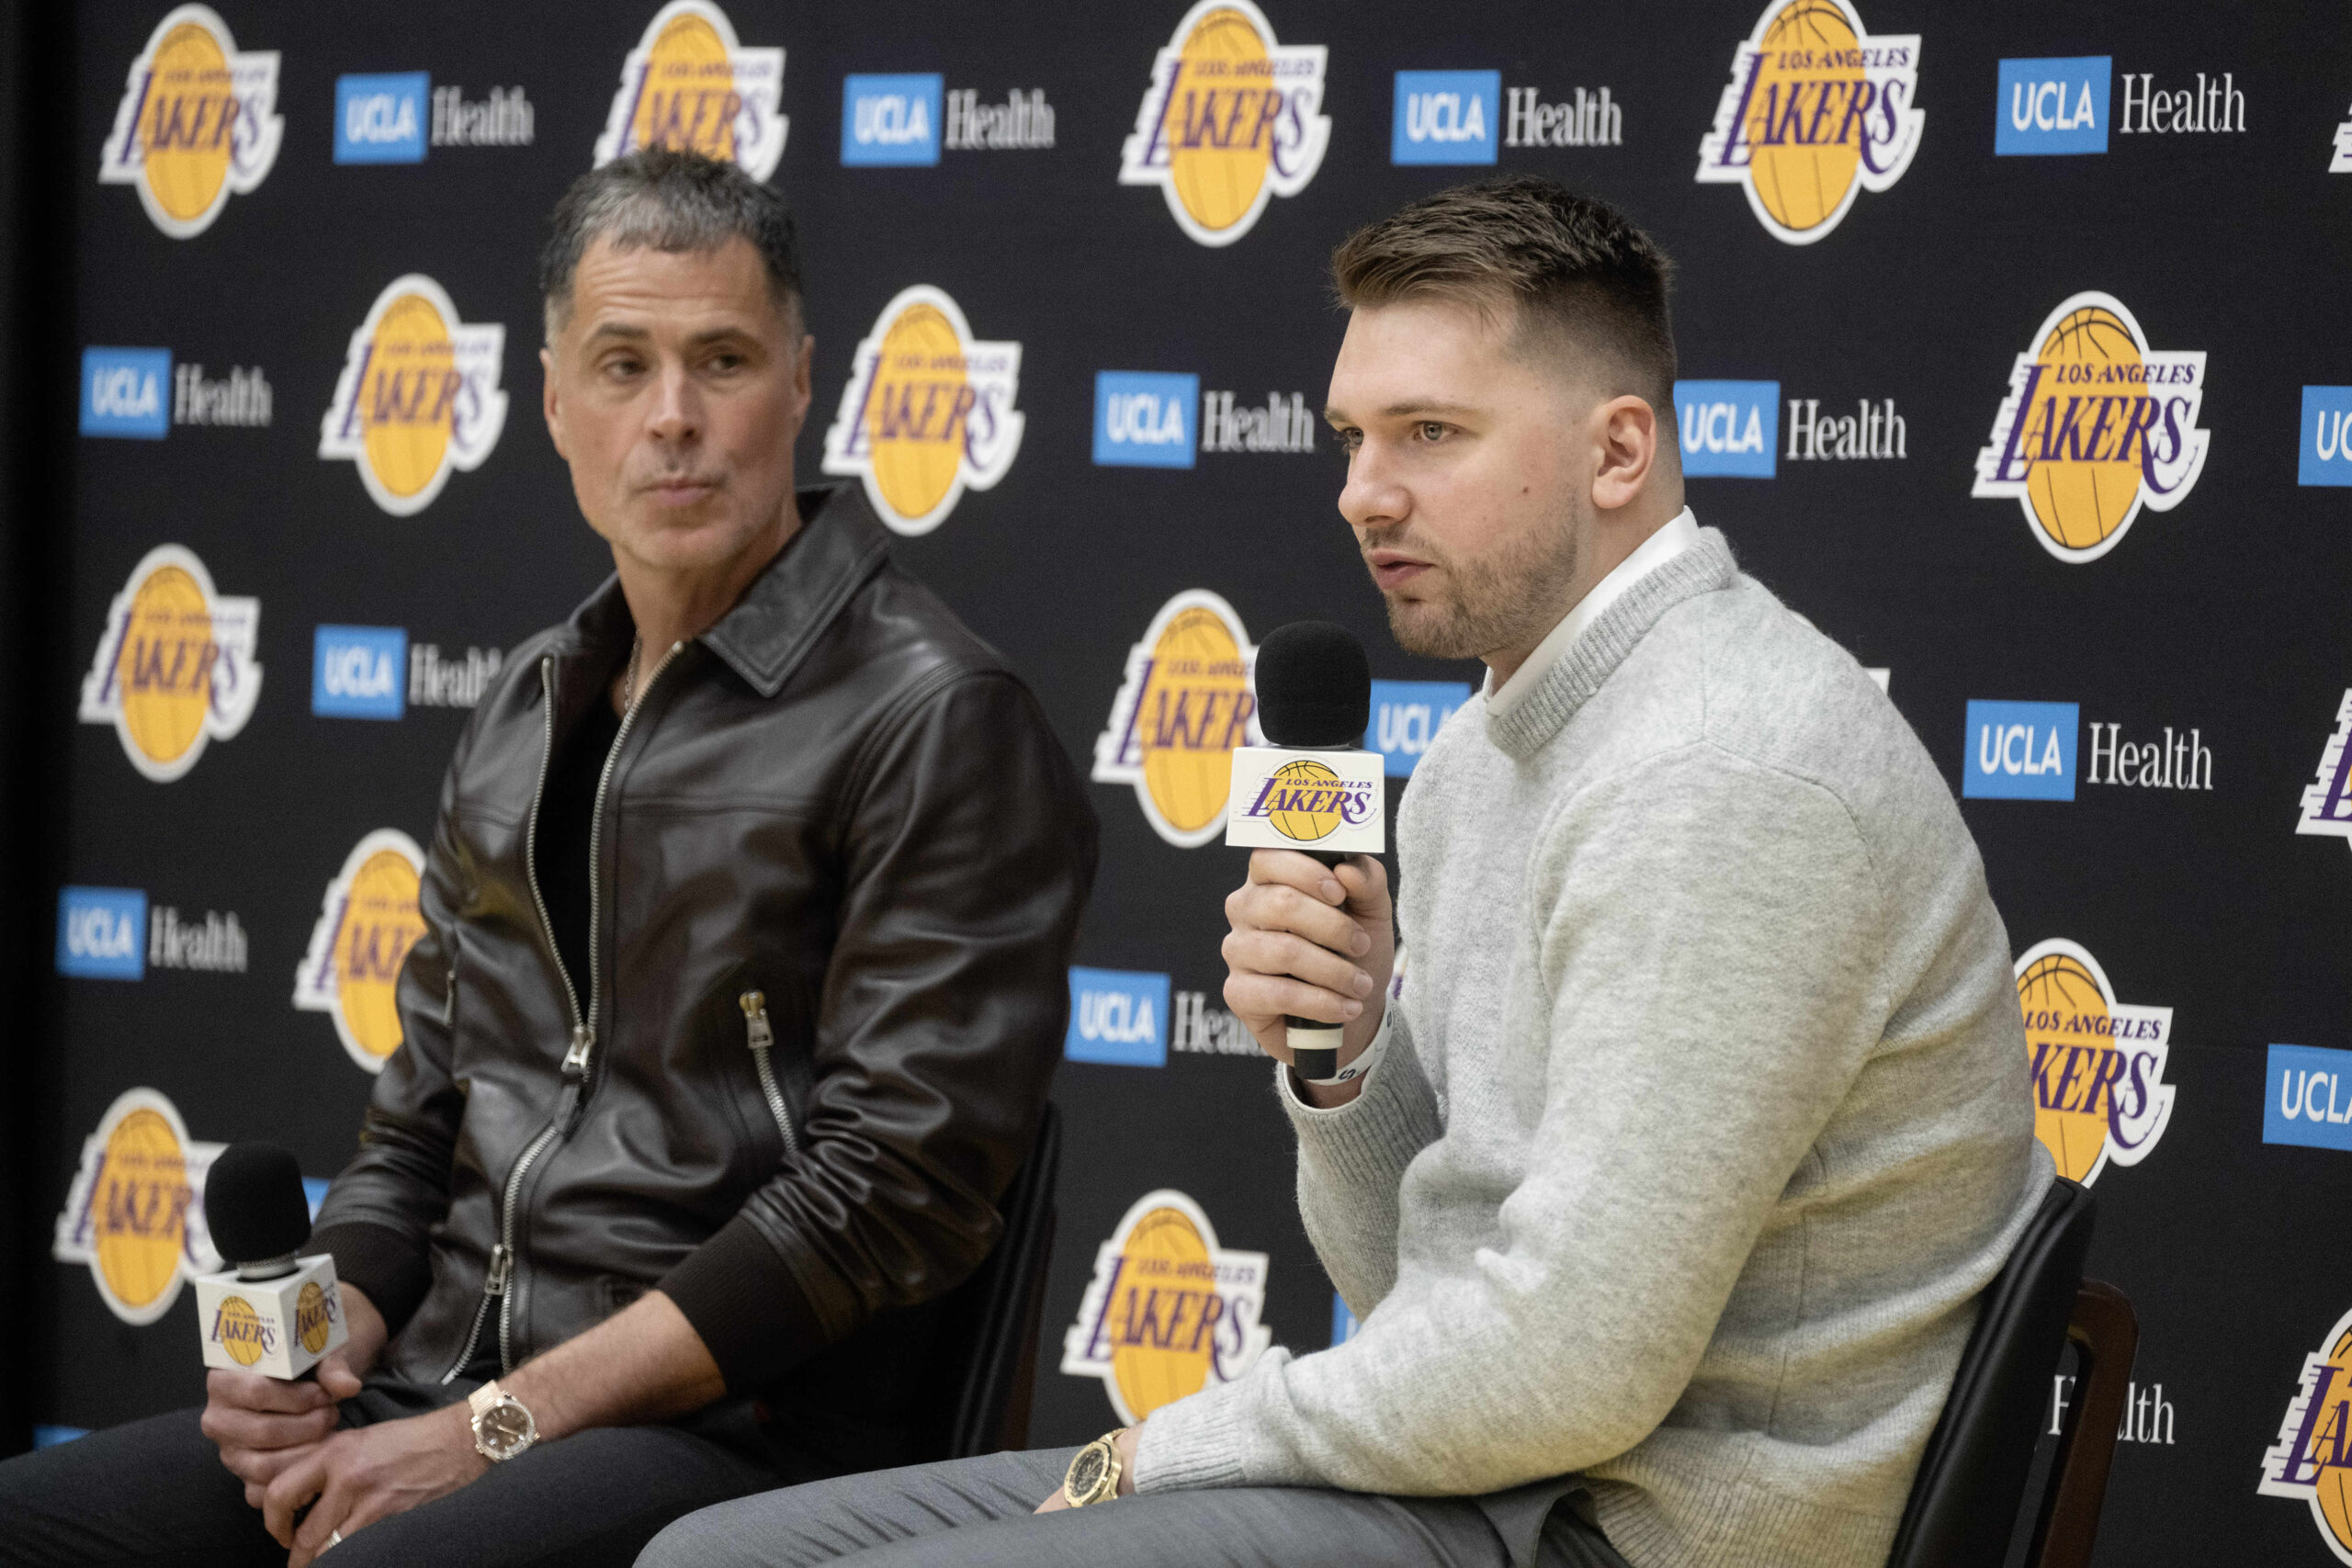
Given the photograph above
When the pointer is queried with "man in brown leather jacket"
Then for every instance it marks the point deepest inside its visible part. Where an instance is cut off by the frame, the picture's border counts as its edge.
(748, 918)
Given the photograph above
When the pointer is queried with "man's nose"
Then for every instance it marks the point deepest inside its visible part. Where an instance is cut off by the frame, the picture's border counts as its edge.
(677, 413)
(1371, 497)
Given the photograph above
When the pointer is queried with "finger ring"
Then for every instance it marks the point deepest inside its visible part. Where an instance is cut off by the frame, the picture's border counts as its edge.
(335, 1537)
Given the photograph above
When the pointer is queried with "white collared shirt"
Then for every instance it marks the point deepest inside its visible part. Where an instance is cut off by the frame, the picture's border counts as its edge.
(1660, 548)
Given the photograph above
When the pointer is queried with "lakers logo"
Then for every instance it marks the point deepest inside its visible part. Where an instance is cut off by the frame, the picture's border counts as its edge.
(1816, 111)
(2313, 1460)
(198, 122)
(688, 85)
(367, 922)
(927, 412)
(175, 666)
(2097, 1063)
(1232, 120)
(238, 1330)
(314, 1313)
(1185, 703)
(1168, 1311)
(418, 396)
(2096, 425)
(133, 1213)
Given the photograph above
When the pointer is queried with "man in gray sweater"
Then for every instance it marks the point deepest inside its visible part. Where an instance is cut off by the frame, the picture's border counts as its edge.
(1666, 1185)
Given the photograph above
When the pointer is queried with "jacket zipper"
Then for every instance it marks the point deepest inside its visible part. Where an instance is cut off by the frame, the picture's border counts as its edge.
(761, 1039)
(497, 1286)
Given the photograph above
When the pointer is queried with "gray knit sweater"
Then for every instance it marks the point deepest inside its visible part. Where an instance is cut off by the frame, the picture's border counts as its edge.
(1706, 1120)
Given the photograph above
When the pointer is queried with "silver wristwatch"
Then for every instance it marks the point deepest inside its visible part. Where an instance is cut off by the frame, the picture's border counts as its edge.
(503, 1428)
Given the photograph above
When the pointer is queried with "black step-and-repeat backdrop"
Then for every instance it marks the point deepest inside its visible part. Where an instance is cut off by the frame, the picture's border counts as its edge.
(2015, 355)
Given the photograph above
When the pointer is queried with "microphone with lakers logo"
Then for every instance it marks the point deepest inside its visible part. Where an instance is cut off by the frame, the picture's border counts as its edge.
(1311, 788)
(274, 1312)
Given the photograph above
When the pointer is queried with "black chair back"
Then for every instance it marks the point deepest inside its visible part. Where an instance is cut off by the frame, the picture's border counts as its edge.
(1971, 1487)
(987, 1348)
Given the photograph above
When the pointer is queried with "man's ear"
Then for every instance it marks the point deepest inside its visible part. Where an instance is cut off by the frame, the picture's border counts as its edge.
(548, 401)
(1625, 438)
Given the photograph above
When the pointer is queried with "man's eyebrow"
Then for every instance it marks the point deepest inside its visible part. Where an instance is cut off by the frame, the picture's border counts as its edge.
(632, 333)
(1414, 409)
(618, 329)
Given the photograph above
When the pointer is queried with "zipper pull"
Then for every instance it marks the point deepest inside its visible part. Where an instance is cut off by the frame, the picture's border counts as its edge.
(575, 1061)
(502, 1264)
(756, 1032)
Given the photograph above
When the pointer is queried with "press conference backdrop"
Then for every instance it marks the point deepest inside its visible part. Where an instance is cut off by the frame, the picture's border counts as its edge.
(2014, 354)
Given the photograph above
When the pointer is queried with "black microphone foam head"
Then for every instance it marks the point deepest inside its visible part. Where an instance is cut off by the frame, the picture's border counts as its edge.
(255, 1203)
(1314, 686)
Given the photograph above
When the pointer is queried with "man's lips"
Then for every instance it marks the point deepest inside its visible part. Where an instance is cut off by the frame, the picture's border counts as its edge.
(681, 491)
(1392, 569)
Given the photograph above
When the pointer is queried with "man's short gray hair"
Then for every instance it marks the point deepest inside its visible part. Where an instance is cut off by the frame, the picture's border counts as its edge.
(669, 200)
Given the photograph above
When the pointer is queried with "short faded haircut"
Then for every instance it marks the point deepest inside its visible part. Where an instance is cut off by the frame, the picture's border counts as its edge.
(1569, 275)
(664, 199)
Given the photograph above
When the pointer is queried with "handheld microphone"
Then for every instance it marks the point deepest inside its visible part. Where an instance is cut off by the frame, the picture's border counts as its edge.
(1311, 788)
(274, 1313)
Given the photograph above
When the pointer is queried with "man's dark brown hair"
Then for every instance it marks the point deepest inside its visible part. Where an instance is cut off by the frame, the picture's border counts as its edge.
(1588, 284)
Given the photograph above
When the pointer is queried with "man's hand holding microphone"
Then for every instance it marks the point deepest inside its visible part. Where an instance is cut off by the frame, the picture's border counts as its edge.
(1311, 940)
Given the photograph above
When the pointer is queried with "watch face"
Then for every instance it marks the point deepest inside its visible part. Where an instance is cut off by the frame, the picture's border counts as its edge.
(1087, 1470)
(506, 1426)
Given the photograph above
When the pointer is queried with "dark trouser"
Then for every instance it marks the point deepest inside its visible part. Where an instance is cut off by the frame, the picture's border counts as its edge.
(154, 1494)
(976, 1513)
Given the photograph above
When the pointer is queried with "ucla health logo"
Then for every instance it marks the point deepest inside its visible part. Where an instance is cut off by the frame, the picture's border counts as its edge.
(1118, 1018)
(1144, 419)
(418, 396)
(1816, 110)
(125, 392)
(1168, 1311)
(197, 120)
(367, 921)
(1728, 428)
(2327, 455)
(889, 120)
(2308, 1098)
(1446, 117)
(2311, 1462)
(135, 1212)
(1232, 119)
(2019, 750)
(927, 412)
(2052, 107)
(175, 666)
(1185, 703)
(2096, 425)
(102, 934)
(380, 120)
(2327, 800)
(2097, 1063)
(359, 673)
(689, 85)
(1406, 717)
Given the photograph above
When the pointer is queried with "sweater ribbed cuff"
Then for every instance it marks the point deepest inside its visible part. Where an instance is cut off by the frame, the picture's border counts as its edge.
(748, 1306)
(388, 1267)
(1193, 1443)
(1372, 1138)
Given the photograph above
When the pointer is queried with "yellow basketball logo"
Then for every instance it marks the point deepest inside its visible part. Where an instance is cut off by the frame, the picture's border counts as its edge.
(2097, 425)
(238, 1329)
(1302, 801)
(1185, 703)
(2311, 1461)
(419, 396)
(1816, 110)
(927, 412)
(367, 921)
(2097, 1063)
(314, 1313)
(1230, 121)
(689, 85)
(176, 665)
(134, 1214)
(197, 120)
(1168, 1311)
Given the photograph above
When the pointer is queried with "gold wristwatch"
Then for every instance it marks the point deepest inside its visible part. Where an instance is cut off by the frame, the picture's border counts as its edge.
(503, 1428)
(1094, 1472)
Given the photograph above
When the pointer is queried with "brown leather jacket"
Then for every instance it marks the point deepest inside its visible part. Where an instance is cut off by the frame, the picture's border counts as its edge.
(837, 797)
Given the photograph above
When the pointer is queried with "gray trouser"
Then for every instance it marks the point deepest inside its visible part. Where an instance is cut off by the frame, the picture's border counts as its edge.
(978, 1511)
